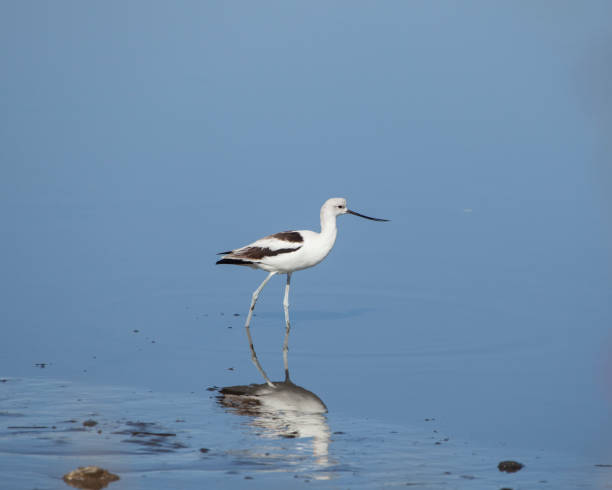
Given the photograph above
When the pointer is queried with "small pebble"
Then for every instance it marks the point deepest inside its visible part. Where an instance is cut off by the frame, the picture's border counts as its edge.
(509, 466)
(90, 477)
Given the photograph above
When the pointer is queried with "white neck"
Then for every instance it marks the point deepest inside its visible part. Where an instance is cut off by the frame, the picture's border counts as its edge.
(328, 225)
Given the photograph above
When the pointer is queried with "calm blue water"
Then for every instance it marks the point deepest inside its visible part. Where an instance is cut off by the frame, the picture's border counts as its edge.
(139, 141)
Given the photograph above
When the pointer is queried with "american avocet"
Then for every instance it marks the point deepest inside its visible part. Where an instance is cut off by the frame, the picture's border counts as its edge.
(285, 253)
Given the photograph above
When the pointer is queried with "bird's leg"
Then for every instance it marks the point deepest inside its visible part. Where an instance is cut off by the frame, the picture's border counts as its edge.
(286, 343)
(248, 330)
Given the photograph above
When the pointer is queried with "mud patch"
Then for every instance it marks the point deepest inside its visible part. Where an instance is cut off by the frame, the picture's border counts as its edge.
(150, 438)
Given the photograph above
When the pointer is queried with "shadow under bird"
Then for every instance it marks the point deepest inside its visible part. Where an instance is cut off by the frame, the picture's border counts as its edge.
(285, 253)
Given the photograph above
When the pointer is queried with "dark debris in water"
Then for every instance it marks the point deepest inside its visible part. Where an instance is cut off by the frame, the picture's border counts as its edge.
(145, 435)
(156, 445)
(90, 423)
(509, 466)
(90, 478)
(28, 427)
(156, 434)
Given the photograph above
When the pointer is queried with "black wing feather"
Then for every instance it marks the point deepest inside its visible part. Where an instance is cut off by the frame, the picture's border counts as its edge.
(234, 262)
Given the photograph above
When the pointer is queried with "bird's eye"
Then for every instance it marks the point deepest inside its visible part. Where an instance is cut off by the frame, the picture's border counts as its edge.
(340, 206)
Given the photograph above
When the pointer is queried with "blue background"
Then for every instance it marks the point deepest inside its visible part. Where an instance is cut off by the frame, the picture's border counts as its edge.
(140, 138)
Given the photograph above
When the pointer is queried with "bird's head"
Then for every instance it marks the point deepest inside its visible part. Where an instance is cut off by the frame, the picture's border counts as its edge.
(337, 206)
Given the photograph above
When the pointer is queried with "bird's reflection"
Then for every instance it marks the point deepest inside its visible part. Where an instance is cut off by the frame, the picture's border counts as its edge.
(287, 411)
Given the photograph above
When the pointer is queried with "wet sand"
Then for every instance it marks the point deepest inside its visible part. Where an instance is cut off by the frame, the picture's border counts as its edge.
(168, 440)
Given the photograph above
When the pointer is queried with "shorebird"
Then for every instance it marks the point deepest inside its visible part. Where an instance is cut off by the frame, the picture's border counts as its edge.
(285, 253)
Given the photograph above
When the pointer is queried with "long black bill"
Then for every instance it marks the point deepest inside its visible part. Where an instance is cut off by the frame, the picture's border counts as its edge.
(366, 217)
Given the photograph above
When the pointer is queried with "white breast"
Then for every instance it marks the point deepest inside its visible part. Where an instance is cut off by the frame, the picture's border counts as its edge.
(315, 247)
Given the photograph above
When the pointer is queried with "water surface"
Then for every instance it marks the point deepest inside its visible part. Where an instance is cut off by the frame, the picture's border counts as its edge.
(474, 327)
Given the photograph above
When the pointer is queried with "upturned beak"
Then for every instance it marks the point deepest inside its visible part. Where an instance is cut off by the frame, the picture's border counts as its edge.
(363, 216)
